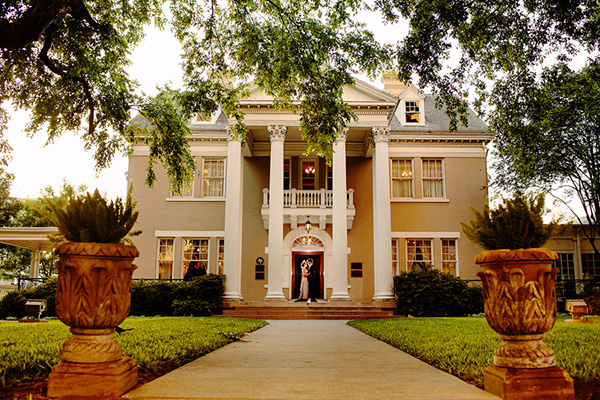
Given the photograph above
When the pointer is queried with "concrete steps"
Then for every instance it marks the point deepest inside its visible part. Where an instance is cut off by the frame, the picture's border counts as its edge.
(313, 310)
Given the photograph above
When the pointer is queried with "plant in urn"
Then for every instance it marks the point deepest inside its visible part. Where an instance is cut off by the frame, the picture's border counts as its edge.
(519, 297)
(93, 294)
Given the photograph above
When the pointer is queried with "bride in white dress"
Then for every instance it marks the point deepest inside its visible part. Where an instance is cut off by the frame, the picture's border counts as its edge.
(304, 281)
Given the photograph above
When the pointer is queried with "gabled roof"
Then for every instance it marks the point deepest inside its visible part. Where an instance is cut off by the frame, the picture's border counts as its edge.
(360, 93)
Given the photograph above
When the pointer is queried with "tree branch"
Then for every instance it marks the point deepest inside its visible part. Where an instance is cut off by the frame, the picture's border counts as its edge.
(61, 72)
(30, 26)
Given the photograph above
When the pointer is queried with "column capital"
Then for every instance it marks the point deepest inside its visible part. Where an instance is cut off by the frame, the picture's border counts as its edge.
(380, 134)
(277, 132)
(231, 136)
(342, 135)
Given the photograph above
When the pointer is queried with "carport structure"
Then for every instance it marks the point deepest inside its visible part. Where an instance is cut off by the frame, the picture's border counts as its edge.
(32, 238)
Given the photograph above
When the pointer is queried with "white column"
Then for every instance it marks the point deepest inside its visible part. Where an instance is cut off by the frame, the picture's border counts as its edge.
(232, 263)
(34, 271)
(382, 218)
(340, 225)
(275, 265)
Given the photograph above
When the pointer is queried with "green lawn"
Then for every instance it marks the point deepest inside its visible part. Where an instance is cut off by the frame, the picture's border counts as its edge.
(29, 351)
(464, 346)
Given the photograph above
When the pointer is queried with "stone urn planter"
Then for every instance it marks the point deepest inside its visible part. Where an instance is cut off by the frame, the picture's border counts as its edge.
(520, 304)
(93, 298)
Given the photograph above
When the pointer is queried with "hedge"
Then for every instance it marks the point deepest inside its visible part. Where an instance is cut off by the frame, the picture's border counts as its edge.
(201, 296)
(428, 292)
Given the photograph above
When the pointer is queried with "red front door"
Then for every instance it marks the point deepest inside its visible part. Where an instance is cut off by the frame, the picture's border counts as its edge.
(315, 278)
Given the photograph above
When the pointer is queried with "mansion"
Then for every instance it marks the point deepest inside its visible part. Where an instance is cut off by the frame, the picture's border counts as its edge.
(393, 197)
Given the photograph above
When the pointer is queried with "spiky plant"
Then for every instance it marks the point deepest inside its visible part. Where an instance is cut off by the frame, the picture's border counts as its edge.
(92, 218)
(516, 223)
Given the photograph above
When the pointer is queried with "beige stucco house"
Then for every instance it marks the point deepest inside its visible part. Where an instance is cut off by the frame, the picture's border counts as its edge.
(398, 186)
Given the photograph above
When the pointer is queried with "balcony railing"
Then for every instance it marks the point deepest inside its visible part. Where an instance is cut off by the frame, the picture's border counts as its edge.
(295, 198)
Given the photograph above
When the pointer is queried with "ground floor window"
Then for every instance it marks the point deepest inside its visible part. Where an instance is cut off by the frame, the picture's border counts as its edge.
(565, 266)
(195, 257)
(395, 262)
(449, 256)
(590, 265)
(419, 253)
(165, 258)
(221, 256)
(436, 252)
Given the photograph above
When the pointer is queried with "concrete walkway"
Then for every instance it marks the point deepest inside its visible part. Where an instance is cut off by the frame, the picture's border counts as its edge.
(308, 359)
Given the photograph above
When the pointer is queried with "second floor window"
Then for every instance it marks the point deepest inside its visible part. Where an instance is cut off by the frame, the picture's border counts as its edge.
(402, 178)
(433, 178)
(213, 177)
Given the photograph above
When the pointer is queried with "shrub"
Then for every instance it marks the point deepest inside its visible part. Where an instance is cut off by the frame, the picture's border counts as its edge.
(430, 292)
(13, 304)
(517, 223)
(152, 298)
(201, 296)
(591, 295)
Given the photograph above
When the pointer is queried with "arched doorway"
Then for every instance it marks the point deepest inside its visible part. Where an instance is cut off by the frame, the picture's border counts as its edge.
(308, 250)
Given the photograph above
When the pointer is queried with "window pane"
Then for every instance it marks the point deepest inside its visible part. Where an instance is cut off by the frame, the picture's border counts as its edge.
(195, 257)
(221, 256)
(213, 177)
(449, 256)
(395, 266)
(433, 178)
(565, 266)
(590, 265)
(402, 178)
(165, 258)
(418, 253)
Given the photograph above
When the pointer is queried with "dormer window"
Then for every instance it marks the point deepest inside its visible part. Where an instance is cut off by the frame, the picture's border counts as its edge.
(412, 112)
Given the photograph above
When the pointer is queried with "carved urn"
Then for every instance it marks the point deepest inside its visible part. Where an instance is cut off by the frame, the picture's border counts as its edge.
(92, 297)
(520, 304)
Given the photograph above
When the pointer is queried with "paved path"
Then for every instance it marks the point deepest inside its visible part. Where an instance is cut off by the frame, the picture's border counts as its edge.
(311, 360)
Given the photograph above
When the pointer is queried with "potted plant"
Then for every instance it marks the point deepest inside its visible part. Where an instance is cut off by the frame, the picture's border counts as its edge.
(519, 293)
(95, 270)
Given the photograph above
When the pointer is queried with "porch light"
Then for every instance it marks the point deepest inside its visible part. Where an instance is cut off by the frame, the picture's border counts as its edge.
(307, 225)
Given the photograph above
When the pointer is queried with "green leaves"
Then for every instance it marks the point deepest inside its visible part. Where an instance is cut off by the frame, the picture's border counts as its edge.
(91, 218)
(517, 223)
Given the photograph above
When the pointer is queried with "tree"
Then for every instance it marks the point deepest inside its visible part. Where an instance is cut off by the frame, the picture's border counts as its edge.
(64, 60)
(16, 261)
(548, 135)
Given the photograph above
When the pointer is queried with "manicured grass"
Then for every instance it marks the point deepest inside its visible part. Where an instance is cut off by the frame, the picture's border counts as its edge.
(465, 346)
(29, 351)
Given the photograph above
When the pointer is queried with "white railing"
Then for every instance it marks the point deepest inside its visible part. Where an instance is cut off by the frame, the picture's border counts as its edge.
(295, 198)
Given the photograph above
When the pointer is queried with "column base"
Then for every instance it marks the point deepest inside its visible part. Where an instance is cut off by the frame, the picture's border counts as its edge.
(108, 380)
(340, 297)
(275, 297)
(552, 383)
(384, 297)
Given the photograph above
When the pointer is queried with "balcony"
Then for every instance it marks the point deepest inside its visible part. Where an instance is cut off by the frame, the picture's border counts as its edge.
(315, 204)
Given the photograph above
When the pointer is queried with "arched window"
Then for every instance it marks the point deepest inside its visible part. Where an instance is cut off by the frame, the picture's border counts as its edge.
(307, 241)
